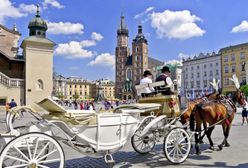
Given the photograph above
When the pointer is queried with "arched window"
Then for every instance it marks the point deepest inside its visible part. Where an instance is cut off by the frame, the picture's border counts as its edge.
(39, 85)
(129, 74)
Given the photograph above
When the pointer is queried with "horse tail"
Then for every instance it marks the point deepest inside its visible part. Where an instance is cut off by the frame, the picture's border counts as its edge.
(192, 116)
(192, 120)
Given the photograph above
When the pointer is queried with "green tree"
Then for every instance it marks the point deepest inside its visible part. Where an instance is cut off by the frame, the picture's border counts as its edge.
(244, 89)
(60, 95)
(75, 96)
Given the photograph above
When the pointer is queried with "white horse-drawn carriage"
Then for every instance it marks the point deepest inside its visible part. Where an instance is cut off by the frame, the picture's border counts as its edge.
(89, 132)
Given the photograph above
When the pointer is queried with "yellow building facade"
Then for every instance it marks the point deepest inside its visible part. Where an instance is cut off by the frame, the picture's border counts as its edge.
(78, 88)
(233, 61)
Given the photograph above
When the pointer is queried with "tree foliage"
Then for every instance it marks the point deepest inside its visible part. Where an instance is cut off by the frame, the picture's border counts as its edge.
(75, 96)
(244, 89)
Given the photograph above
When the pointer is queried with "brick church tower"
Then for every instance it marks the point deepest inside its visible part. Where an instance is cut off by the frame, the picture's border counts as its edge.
(129, 67)
(139, 55)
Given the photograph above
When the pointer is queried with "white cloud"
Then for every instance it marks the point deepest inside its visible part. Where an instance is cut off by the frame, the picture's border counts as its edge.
(31, 8)
(105, 59)
(65, 28)
(73, 50)
(145, 12)
(176, 24)
(243, 27)
(88, 43)
(8, 10)
(96, 36)
(52, 3)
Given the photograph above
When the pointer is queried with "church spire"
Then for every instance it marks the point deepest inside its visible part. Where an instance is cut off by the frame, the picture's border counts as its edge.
(140, 36)
(122, 30)
(37, 26)
(38, 10)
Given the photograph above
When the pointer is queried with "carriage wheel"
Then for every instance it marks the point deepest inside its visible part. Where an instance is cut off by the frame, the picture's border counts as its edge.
(30, 150)
(177, 145)
(146, 143)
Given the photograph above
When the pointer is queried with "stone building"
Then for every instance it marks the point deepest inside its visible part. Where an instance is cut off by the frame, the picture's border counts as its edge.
(197, 72)
(234, 61)
(103, 89)
(79, 88)
(71, 87)
(59, 86)
(28, 77)
(130, 65)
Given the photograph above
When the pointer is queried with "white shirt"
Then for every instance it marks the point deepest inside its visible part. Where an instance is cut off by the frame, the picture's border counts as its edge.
(147, 89)
(169, 81)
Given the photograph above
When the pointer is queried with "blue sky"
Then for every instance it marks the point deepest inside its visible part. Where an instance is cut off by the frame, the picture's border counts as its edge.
(85, 30)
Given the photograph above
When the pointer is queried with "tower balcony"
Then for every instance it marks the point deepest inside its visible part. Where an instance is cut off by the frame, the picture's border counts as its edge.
(11, 82)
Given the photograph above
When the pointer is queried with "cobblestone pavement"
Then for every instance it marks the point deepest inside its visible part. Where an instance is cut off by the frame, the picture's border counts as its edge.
(234, 156)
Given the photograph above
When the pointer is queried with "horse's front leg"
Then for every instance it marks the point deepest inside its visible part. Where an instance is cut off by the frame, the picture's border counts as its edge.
(209, 132)
(228, 127)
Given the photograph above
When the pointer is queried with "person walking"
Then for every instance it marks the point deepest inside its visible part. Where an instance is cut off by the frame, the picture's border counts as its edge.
(244, 113)
(12, 104)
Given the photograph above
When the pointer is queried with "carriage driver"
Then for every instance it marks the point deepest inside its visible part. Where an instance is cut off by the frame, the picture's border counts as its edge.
(165, 76)
(148, 91)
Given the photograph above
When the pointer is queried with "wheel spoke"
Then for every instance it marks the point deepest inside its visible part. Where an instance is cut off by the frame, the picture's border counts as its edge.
(149, 146)
(15, 158)
(17, 166)
(182, 139)
(140, 143)
(142, 146)
(18, 150)
(137, 136)
(49, 161)
(183, 149)
(36, 146)
(171, 151)
(174, 153)
(179, 152)
(171, 146)
(42, 166)
(184, 144)
(42, 150)
(29, 152)
(55, 150)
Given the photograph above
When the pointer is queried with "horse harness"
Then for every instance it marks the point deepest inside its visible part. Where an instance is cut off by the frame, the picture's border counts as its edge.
(229, 105)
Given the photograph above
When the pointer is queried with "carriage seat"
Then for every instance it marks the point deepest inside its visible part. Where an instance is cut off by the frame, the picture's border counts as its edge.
(140, 87)
(57, 110)
(169, 104)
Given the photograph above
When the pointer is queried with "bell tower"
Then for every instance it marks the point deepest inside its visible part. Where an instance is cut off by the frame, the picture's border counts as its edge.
(38, 55)
(140, 55)
(121, 55)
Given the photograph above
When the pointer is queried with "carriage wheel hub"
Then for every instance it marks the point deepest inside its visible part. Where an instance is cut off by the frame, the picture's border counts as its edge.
(32, 165)
(146, 139)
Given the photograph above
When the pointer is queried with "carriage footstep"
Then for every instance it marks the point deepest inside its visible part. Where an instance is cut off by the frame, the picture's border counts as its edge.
(108, 158)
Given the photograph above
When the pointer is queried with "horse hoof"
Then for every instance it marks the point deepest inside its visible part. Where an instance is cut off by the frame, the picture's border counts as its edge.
(220, 147)
(227, 145)
(198, 152)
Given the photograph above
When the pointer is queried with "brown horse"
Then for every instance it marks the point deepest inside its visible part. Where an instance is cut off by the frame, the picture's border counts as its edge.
(184, 118)
(215, 113)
